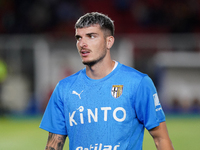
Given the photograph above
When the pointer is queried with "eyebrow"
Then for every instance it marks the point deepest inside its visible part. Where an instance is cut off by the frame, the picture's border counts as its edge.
(88, 34)
(91, 33)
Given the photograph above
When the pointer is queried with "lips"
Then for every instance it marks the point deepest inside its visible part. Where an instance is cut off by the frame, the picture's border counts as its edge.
(84, 52)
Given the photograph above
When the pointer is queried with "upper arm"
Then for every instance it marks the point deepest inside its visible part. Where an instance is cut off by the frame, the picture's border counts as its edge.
(55, 141)
(161, 137)
(159, 131)
(51, 122)
(147, 105)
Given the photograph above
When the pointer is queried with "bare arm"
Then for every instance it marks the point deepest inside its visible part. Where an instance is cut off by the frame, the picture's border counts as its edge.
(161, 137)
(55, 141)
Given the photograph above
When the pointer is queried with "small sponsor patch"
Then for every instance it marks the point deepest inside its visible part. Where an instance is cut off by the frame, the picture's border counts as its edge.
(157, 102)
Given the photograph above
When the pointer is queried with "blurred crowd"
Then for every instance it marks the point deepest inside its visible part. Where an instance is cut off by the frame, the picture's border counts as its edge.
(37, 16)
(57, 18)
(130, 16)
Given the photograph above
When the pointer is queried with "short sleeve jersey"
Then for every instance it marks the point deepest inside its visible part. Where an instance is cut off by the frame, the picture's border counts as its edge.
(105, 114)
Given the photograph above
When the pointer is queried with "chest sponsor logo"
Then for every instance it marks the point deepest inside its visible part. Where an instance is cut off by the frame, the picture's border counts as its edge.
(78, 117)
(117, 90)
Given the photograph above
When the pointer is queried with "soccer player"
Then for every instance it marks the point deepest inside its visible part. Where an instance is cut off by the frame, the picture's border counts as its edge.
(106, 105)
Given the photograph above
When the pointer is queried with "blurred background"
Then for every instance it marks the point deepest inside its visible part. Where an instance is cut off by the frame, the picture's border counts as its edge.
(158, 37)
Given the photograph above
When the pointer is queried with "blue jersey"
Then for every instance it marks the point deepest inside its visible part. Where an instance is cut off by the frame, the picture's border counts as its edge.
(105, 114)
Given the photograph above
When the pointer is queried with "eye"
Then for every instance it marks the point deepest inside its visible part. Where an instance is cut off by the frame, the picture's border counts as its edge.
(92, 36)
(78, 38)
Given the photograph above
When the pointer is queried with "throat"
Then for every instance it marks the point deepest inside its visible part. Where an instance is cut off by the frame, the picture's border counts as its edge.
(100, 71)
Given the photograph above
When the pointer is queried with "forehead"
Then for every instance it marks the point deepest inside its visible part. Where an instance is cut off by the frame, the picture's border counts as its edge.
(90, 29)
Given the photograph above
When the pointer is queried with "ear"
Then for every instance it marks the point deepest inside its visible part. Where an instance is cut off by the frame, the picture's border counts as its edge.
(110, 41)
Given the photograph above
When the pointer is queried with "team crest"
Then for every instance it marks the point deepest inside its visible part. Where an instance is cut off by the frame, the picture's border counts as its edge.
(117, 90)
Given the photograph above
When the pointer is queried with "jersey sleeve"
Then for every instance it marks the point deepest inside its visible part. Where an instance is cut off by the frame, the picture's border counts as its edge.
(148, 108)
(54, 119)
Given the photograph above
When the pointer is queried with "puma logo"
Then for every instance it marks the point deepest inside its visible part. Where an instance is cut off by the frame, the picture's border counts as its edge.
(79, 95)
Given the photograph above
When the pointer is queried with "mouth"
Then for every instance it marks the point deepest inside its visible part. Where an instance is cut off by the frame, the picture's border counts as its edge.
(84, 53)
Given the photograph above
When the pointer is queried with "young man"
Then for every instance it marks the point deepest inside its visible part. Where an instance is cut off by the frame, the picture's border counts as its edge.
(106, 105)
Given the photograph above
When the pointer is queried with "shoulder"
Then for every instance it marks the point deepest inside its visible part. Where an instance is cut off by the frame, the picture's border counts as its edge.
(70, 79)
(132, 73)
(135, 78)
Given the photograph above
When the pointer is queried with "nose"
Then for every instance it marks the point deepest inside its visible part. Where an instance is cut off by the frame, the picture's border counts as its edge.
(82, 43)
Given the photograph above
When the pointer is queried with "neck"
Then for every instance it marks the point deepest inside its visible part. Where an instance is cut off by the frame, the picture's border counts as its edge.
(100, 70)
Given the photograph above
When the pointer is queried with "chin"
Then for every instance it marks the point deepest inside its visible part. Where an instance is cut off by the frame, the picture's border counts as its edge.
(89, 63)
(92, 62)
